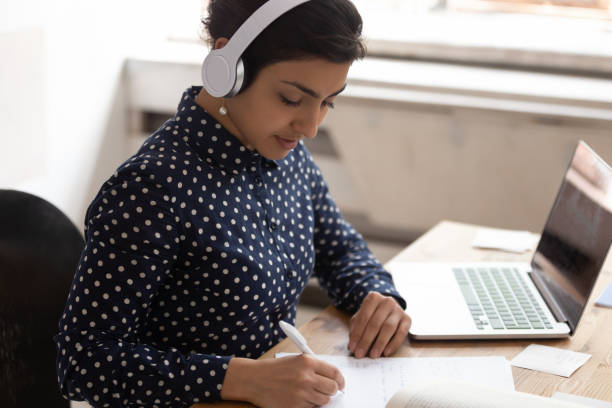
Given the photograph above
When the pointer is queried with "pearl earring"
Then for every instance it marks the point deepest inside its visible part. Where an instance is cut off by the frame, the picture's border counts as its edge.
(223, 110)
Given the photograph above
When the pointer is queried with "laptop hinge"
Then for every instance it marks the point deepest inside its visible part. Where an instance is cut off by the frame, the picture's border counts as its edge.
(548, 297)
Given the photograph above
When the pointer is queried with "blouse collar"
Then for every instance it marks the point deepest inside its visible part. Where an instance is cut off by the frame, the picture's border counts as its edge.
(214, 143)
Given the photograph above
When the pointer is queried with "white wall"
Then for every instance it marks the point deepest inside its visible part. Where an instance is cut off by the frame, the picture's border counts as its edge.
(21, 106)
(21, 84)
(61, 104)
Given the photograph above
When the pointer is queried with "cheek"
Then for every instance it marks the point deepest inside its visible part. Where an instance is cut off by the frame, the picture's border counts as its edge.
(260, 117)
(271, 119)
(265, 121)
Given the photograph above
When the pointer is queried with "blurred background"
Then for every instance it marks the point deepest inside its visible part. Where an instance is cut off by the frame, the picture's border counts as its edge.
(464, 109)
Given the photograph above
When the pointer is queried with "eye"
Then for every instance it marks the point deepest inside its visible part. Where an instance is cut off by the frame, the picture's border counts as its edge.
(289, 102)
(329, 105)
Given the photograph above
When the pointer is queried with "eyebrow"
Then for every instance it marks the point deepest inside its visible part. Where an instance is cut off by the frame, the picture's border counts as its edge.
(310, 92)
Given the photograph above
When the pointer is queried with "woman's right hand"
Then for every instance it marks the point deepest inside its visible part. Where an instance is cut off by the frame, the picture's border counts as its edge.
(286, 382)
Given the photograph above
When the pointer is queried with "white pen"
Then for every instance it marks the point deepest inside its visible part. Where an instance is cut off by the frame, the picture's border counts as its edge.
(296, 337)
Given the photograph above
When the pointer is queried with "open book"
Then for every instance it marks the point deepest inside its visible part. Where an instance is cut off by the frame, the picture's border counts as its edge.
(452, 394)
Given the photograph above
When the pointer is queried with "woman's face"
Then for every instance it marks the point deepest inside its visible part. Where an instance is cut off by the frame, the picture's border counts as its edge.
(286, 103)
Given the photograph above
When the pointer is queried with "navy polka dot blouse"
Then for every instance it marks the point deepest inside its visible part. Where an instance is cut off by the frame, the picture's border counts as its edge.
(196, 248)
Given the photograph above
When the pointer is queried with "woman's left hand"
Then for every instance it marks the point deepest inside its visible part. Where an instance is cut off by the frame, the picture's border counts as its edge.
(380, 326)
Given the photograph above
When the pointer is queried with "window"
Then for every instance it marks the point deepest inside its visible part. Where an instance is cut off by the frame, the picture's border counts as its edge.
(601, 9)
(564, 8)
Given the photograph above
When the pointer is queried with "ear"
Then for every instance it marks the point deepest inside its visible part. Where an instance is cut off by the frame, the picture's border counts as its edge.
(220, 42)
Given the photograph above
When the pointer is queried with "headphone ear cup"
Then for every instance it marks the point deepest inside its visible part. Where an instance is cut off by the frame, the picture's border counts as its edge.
(239, 79)
(223, 70)
(219, 74)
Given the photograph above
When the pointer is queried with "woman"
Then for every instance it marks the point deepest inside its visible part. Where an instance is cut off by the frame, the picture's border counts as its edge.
(203, 241)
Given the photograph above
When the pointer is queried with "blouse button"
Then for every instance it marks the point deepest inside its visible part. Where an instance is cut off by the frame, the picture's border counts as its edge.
(258, 181)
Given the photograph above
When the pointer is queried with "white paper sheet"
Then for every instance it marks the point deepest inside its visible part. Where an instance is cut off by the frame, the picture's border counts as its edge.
(506, 240)
(371, 383)
(551, 360)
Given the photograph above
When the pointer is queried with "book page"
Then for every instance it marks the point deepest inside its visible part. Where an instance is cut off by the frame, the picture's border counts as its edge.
(578, 399)
(372, 382)
(450, 394)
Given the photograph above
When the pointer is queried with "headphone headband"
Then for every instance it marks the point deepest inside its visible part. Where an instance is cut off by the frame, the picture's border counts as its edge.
(223, 70)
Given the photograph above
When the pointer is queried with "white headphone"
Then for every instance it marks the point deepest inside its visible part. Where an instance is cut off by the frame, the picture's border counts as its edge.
(223, 70)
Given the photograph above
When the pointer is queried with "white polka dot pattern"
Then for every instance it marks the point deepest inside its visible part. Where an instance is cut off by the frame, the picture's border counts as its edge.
(195, 249)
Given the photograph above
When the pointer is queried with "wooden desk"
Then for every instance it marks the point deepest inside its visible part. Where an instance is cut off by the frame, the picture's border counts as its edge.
(449, 241)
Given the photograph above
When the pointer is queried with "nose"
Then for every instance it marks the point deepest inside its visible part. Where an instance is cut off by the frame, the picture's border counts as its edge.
(307, 122)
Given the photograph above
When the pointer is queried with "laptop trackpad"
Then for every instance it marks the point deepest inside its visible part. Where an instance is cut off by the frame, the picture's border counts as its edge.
(433, 300)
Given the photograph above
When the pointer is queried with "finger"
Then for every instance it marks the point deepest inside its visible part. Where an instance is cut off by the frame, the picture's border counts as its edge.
(399, 336)
(318, 399)
(331, 372)
(387, 330)
(385, 308)
(326, 385)
(360, 319)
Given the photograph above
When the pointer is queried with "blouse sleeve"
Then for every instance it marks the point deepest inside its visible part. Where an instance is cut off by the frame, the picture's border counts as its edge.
(132, 240)
(344, 265)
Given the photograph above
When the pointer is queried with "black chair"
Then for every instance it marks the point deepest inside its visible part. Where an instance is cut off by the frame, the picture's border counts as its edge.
(39, 252)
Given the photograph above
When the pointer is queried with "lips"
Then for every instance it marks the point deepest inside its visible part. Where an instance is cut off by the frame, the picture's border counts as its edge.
(287, 144)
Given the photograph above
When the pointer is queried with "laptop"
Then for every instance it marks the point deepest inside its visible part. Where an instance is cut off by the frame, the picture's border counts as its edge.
(541, 299)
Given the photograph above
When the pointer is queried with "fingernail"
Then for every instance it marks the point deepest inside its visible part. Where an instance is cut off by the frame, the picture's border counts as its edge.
(359, 353)
(351, 345)
(375, 353)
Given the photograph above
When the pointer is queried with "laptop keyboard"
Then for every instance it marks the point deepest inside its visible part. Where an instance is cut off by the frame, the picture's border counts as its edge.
(498, 298)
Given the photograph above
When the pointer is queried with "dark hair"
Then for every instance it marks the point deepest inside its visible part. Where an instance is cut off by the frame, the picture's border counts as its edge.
(328, 29)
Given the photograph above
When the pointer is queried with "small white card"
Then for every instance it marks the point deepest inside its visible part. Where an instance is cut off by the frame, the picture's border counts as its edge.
(506, 240)
(551, 360)
(606, 297)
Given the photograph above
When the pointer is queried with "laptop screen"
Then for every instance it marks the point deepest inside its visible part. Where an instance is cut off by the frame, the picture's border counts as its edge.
(578, 233)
